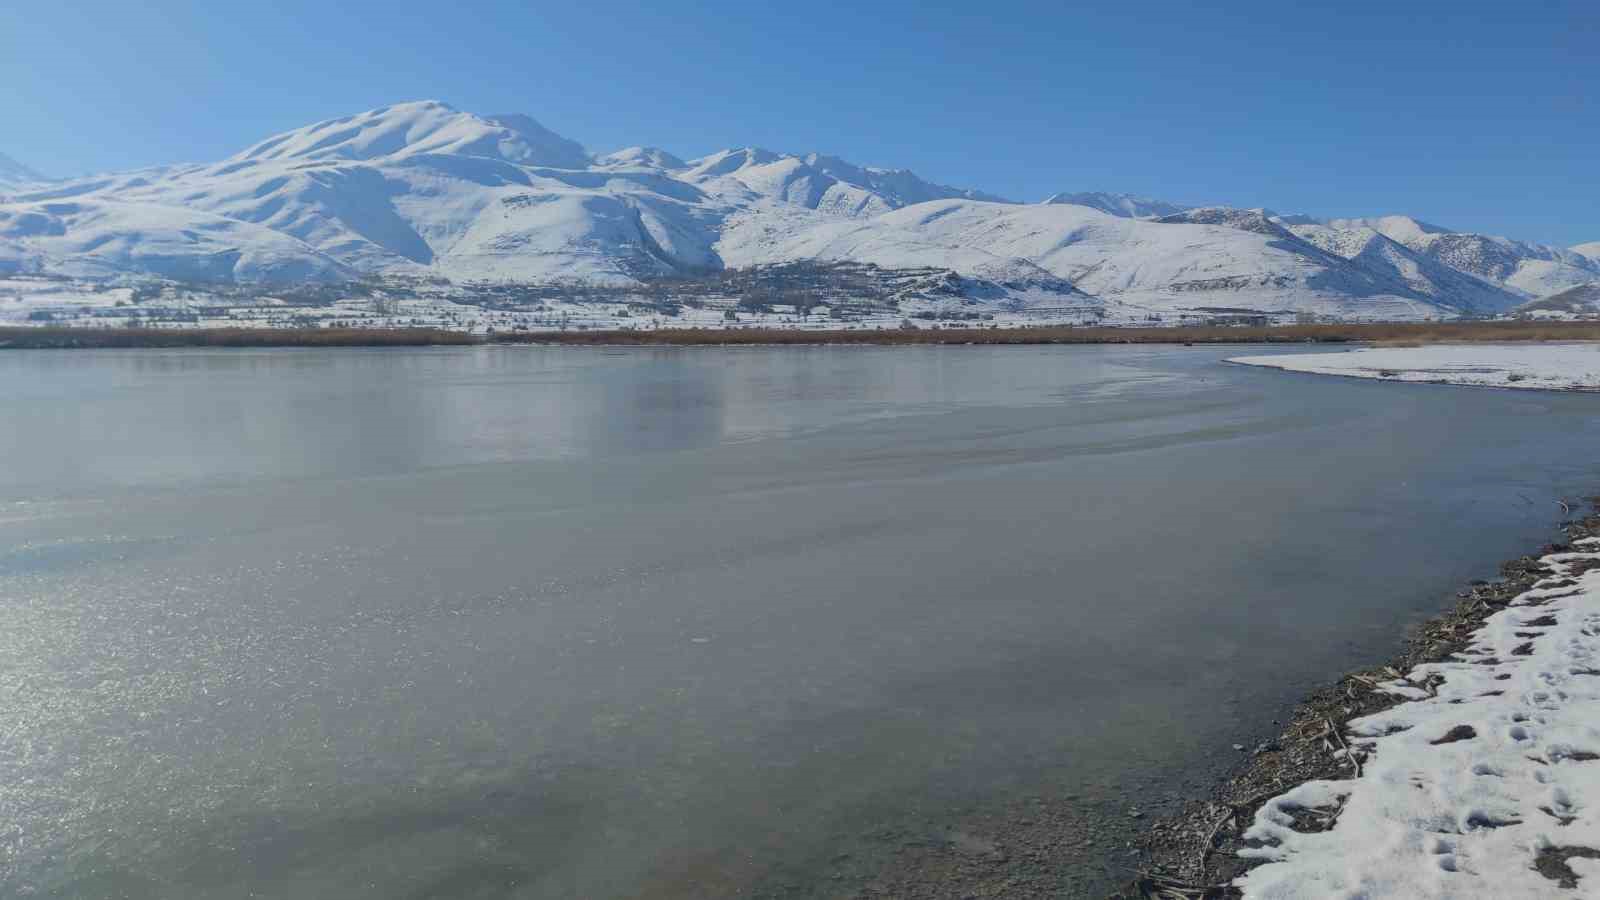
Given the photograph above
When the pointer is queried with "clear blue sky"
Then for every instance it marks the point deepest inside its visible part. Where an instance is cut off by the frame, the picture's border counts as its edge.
(1479, 116)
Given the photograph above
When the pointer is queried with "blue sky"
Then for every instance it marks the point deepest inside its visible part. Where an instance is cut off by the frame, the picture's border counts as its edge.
(1476, 116)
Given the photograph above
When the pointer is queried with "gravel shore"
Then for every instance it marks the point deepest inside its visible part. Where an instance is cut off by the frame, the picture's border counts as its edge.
(1195, 853)
(1183, 848)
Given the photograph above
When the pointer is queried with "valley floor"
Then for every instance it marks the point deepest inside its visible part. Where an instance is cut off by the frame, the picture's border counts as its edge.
(1570, 366)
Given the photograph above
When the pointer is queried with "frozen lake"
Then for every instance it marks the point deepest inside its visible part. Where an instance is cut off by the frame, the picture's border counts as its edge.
(544, 622)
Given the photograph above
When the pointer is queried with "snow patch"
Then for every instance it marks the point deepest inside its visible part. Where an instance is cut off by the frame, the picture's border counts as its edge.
(1552, 366)
(1486, 787)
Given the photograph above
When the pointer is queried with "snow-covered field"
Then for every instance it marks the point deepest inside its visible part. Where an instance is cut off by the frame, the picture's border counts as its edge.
(1552, 366)
(1486, 784)
(150, 303)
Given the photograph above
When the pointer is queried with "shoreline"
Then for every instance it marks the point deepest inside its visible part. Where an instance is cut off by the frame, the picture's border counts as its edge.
(1568, 366)
(66, 338)
(1195, 853)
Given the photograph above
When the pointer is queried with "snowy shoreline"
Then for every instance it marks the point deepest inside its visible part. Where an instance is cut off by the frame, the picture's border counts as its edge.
(1567, 366)
(1470, 768)
(1483, 784)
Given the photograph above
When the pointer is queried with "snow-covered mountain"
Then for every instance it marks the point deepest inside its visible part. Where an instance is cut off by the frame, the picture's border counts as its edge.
(425, 189)
(1591, 250)
(98, 238)
(1380, 254)
(640, 157)
(815, 181)
(1387, 261)
(1124, 205)
(410, 130)
(1259, 221)
(420, 188)
(1532, 270)
(1582, 300)
(15, 175)
(1131, 261)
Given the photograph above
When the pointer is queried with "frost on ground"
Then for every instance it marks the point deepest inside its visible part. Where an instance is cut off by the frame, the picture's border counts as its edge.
(1554, 366)
(1486, 784)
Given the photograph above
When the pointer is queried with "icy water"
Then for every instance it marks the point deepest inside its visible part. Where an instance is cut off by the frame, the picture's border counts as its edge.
(516, 622)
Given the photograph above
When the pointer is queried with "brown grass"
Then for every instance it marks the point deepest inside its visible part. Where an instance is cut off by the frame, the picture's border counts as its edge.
(1394, 335)
(1409, 334)
(89, 338)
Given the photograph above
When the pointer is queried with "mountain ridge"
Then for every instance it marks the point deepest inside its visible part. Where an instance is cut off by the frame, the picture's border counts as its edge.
(1121, 205)
(14, 174)
(422, 188)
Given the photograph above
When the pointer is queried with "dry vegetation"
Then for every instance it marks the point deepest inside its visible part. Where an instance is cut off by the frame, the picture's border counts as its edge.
(1408, 335)
(91, 338)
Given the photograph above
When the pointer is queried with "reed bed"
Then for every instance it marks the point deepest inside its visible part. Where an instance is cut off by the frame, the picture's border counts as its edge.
(1411, 334)
(1388, 334)
(92, 338)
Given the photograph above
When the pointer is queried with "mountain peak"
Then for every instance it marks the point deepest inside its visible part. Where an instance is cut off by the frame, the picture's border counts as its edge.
(1404, 229)
(13, 173)
(424, 188)
(1125, 206)
(1296, 219)
(809, 179)
(1259, 221)
(647, 157)
(421, 127)
(726, 162)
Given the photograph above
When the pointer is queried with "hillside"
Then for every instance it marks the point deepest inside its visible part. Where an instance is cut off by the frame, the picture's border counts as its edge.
(1531, 270)
(15, 175)
(1380, 254)
(1582, 300)
(423, 190)
(1151, 265)
(1124, 205)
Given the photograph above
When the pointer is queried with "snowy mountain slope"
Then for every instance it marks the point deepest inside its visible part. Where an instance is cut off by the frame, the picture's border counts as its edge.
(1591, 250)
(425, 126)
(1531, 270)
(102, 238)
(1583, 299)
(1427, 276)
(420, 187)
(1387, 260)
(1257, 220)
(1162, 266)
(424, 189)
(640, 158)
(823, 183)
(1124, 205)
(14, 175)
(1403, 229)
